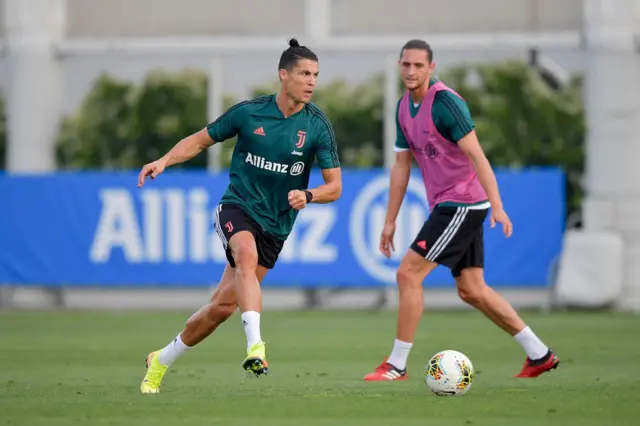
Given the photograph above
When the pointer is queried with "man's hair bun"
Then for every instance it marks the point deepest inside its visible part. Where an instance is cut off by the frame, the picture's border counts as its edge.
(294, 43)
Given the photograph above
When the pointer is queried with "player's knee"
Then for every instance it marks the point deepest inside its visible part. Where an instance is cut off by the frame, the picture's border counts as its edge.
(245, 256)
(472, 292)
(408, 277)
(412, 271)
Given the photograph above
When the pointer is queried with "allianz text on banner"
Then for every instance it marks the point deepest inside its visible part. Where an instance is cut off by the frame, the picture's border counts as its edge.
(88, 229)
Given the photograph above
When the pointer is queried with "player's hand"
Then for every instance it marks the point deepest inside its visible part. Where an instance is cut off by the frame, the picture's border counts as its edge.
(297, 199)
(152, 170)
(386, 239)
(500, 216)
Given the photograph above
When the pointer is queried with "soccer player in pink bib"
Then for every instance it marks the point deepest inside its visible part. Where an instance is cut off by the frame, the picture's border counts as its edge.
(434, 126)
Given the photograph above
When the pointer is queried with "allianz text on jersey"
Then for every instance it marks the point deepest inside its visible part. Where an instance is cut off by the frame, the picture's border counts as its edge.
(263, 163)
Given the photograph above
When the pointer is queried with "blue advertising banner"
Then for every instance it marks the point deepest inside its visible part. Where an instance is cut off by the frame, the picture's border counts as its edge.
(99, 229)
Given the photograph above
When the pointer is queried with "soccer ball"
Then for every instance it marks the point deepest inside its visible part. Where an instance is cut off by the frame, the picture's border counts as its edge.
(449, 373)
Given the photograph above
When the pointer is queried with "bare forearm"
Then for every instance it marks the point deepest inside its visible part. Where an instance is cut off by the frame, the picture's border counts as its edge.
(399, 180)
(487, 179)
(186, 149)
(326, 193)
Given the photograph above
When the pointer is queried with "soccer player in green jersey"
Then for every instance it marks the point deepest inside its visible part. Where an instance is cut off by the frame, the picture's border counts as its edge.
(279, 138)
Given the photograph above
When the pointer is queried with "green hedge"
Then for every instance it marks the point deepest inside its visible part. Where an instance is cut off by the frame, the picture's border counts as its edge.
(521, 119)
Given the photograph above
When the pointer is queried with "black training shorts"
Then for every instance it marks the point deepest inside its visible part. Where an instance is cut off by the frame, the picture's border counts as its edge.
(231, 219)
(453, 237)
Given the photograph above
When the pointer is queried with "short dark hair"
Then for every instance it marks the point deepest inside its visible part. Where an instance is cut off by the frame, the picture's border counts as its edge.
(293, 54)
(418, 45)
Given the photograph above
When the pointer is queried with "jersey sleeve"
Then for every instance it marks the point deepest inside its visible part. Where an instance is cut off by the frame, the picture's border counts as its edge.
(327, 152)
(401, 142)
(228, 124)
(451, 116)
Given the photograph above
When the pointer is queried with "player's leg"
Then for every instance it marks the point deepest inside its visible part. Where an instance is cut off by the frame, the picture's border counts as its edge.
(204, 321)
(247, 288)
(222, 305)
(249, 297)
(267, 251)
(239, 234)
(199, 326)
(472, 289)
(412, 271)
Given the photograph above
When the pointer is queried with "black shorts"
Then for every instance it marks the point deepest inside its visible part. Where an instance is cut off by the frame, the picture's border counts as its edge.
(231, 219)
(453, 237)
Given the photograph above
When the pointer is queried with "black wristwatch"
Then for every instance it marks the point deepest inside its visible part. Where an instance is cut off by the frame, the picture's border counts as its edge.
(309, 195)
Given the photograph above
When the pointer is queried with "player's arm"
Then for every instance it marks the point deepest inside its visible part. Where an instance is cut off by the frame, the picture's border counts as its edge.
(184, 150)
(331, 190)
(398, 182)
(327, 156)
(187, 148)
(399, 175)
(454, 122)
(225, 127)
(471, 147)
(458, 126)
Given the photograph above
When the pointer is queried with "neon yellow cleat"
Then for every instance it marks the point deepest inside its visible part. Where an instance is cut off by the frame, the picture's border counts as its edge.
(256, 360)
(155, 373)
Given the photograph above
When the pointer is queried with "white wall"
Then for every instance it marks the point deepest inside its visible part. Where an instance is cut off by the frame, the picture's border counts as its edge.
(286, 17)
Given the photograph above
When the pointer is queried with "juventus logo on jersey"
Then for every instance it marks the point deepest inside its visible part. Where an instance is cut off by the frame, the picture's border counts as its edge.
(302, 136)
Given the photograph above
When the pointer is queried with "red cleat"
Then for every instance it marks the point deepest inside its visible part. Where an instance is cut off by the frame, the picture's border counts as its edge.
(533, 368)
(386, 371)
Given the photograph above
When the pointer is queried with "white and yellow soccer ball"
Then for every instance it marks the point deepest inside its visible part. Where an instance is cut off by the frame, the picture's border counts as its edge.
(449, 373)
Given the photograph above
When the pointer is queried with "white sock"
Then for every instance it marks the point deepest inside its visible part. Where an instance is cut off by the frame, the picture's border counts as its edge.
(533, 346)
(251, 322)
(400, 354)
(172, 351)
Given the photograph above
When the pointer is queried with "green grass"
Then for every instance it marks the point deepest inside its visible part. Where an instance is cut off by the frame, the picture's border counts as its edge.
(80, 368)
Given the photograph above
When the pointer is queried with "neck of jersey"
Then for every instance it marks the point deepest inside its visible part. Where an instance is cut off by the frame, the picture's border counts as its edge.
(414, 106)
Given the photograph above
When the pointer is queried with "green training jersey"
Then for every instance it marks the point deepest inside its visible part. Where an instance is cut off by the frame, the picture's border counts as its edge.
(273, 155)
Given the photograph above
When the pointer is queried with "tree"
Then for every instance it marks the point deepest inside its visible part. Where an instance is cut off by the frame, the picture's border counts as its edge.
(522, 120)
(120, 125)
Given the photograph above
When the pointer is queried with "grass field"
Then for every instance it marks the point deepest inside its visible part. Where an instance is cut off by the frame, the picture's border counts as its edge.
(81, 368)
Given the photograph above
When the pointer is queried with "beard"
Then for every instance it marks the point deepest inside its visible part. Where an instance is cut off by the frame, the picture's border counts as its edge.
(296, 99)
(413, 85)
